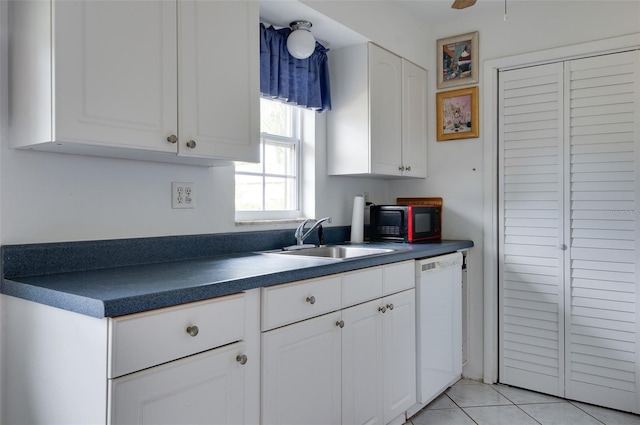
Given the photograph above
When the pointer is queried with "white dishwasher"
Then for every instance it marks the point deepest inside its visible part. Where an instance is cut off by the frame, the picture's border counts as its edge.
(438, 324)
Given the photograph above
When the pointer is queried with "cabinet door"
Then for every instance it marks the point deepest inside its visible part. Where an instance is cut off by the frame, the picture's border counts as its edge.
(385, 111)
(301, 367)
(362, 401)
(218, 79)
(414, 120)
(115, 79)
(207, 388)
(399, 354)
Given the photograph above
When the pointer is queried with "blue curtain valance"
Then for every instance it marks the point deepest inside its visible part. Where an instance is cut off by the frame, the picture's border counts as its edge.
(302, 82)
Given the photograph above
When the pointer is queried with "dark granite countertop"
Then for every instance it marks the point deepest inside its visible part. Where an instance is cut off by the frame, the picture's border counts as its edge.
(126, 289)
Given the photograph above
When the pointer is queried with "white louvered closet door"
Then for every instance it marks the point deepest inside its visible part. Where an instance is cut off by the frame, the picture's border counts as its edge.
(570, 274)
(531, 263)
(603, 334)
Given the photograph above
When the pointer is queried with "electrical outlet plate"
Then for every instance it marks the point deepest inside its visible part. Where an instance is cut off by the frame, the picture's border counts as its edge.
(183, 195)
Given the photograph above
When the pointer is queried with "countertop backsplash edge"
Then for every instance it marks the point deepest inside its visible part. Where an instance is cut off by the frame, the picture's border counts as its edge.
(63, 257)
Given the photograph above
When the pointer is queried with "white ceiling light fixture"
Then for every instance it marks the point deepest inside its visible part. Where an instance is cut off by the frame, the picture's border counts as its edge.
(301, 43)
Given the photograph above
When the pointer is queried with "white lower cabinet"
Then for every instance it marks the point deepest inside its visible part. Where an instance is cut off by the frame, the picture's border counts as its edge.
(207, 388)
(349, 366)
(196, 363)
(399, 354)
(362, 361)
(339, 349)
(378, 359)
(301, 373)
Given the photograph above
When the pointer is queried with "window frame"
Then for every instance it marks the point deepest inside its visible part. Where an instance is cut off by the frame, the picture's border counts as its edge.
(296, 140)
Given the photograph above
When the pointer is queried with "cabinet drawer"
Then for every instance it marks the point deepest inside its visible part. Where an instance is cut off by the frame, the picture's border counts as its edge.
(284, 304)
(142, 340)
(361, 286)
(398, 277)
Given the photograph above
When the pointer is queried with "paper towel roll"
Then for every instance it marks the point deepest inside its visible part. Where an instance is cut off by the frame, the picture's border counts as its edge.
(357, 220)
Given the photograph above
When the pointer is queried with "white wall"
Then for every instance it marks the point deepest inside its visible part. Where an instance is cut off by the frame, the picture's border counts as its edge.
(456, 167)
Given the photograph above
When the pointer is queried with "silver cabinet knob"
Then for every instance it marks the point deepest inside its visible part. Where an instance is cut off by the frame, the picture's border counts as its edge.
(311, 300)
(193, 330)
(191, 144)
(172, 139)
(390, 306)
(241, 358)
(408, 168)
(340, 324)
(401, 168)
(382, 309)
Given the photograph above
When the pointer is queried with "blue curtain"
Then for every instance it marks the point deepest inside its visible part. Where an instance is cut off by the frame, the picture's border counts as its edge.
(301, 82)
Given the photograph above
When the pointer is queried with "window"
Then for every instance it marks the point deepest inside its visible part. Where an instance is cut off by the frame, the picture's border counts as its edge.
(271, 188)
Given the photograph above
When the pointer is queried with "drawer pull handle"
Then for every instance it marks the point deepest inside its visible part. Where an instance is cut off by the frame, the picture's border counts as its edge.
(191, 144)
(241, 358)
(340, 324)
(311, 299)
(193, 330)
(172, 139)
(382, 309)
(390, 306)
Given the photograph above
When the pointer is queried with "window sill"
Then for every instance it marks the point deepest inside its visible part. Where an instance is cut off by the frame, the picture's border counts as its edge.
(268, 221)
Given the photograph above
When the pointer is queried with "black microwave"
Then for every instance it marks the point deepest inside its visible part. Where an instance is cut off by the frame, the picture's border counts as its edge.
(405, 223)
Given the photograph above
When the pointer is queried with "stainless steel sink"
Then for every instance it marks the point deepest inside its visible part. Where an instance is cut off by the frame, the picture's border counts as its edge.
(339, 252)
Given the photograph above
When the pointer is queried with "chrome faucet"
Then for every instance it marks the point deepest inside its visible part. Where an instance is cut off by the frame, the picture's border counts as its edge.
(300, 233)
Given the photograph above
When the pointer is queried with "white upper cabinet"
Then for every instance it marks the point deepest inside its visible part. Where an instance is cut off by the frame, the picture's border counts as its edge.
(219, 71)
(385, 111)
(135, 79)
(377, 125)
(414, 119)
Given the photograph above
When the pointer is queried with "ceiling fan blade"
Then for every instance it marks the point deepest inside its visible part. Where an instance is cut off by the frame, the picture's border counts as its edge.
(462, 4)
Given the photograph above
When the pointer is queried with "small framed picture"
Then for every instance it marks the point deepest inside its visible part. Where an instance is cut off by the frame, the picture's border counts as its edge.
(458, 60)
(457, 114)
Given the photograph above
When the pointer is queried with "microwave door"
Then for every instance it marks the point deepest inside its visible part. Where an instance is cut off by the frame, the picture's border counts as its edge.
(422, 223)
(391, 224)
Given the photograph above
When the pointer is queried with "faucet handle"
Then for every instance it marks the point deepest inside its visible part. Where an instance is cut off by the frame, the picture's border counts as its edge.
(320, 235)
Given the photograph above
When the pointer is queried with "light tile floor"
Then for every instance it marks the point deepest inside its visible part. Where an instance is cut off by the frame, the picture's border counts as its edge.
(471, 402)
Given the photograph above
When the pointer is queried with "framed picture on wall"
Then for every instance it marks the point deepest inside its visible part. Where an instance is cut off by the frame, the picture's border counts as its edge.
(457, 60)
(457, 114)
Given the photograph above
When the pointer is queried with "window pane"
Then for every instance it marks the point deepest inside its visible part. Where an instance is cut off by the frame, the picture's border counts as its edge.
(248, 167)
(248, 193)
(280, 194)
(272, 186)
(276, 118)
(280, 158)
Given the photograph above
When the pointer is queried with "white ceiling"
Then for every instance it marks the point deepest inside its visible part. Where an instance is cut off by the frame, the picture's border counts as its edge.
(327, 31)
(333, 34)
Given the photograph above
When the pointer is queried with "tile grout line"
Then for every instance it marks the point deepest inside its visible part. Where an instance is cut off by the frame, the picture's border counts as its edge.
(582, 410)
(518, 406)
(460, 408)
(565, 400)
